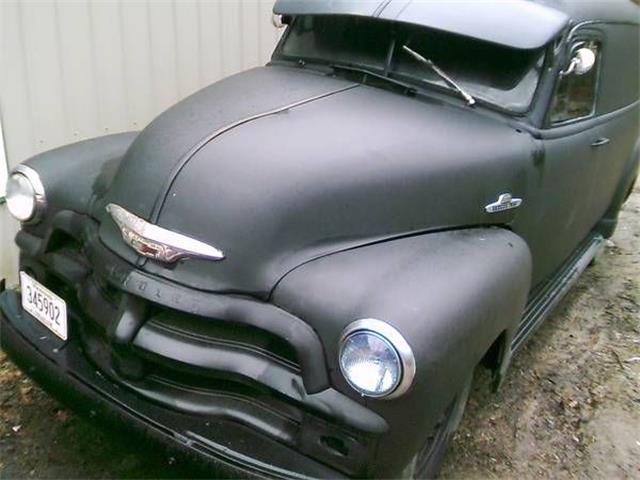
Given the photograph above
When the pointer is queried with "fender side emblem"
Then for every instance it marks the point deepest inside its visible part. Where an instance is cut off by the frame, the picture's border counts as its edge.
(159, 243)
(505, 202)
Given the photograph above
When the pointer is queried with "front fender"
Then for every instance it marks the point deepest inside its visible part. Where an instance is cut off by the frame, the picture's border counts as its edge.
(450, 294)
(74, 173)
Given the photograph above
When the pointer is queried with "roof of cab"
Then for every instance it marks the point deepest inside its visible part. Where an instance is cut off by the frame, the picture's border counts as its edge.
(612, 11)
(522, 24)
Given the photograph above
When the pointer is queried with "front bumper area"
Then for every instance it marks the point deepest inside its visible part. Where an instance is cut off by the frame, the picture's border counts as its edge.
(64, 371)
(227, 378)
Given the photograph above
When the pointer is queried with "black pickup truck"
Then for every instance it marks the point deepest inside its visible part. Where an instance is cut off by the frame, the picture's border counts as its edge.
(294, 272)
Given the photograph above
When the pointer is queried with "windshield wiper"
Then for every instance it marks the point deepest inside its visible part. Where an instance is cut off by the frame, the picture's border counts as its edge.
(407, 87)
(468, 98)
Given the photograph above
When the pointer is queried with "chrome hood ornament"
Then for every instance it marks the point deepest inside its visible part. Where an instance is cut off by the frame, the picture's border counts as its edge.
(505, 202)
(158, 243)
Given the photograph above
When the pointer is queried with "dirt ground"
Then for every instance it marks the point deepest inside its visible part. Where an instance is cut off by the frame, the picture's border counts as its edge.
(570, 406)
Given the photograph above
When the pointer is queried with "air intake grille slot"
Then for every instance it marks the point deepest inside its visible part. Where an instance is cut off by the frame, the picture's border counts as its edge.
(222, 332)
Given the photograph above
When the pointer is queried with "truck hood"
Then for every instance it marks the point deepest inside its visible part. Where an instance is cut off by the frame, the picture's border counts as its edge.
(279, 166)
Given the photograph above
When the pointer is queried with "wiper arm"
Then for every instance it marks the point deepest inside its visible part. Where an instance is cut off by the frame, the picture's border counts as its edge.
(379, 76)
(468, 98)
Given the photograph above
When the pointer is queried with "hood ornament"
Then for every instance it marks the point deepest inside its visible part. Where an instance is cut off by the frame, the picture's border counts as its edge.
(505, 202)
(158, 243)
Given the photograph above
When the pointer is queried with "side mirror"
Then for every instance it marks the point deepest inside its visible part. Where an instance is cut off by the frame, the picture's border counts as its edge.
(278, 21)
(582, 62)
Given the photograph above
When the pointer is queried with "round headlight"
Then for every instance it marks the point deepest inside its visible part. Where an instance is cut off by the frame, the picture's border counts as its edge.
(25, 194)
(375, 359)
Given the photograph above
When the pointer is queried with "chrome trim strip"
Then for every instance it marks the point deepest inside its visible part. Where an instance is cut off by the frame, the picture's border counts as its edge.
(398, 342)
(162, 196)
(40, 198)
(159, 243)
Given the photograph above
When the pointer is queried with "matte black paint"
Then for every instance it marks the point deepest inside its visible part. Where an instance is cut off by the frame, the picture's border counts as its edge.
(445, 292)
(388, 170)
(68, 375)
(89, 167)
(519, 24)
(334, 201)
(126, 278)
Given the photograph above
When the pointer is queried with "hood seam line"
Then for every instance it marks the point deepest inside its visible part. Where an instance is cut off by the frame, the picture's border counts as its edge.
(162, 196)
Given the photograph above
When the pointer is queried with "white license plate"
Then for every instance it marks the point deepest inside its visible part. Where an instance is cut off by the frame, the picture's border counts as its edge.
(48, 308)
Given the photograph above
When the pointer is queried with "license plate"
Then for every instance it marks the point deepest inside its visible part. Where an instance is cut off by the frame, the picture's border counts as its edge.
(48, 308)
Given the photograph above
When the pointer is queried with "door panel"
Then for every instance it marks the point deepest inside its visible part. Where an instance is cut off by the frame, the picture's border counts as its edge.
(557, 213)
(612, 157)
(619, 90)
(561, 209)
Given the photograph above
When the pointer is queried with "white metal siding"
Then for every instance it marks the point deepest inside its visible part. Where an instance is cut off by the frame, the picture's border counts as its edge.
(76, 69)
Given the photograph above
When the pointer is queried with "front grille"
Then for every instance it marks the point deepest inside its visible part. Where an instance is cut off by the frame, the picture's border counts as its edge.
(221, 333)
(97, 301)
(237, 358)
(169, 370)
(165, 335)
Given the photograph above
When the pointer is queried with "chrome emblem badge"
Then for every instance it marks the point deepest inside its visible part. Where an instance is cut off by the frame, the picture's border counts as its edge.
(158, 243)
(505, 202)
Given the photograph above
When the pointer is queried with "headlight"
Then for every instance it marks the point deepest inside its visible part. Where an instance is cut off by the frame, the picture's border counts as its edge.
(25, 194)
(375, 359)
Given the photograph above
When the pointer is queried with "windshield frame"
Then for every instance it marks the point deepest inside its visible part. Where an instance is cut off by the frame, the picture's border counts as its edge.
(420, 84)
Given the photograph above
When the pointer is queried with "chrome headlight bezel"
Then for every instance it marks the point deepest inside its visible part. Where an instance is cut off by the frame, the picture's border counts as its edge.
(395, 340)
(39, 197)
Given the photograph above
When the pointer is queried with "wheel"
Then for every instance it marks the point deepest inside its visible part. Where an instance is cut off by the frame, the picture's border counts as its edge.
(428, 461)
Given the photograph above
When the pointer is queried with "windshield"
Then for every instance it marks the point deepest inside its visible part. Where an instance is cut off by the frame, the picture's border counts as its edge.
(502, 76)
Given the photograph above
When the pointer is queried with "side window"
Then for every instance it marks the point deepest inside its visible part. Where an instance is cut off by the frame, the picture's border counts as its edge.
(576, 91)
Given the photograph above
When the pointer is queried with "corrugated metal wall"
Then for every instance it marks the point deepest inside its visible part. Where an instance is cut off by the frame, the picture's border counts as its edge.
(75, 69)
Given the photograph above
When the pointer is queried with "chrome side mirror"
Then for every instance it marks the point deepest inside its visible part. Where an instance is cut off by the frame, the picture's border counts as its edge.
(584, 59)
(276, 21)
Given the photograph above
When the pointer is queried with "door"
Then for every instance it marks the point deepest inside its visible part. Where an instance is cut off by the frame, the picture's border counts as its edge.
(618, 93)
(559, 214)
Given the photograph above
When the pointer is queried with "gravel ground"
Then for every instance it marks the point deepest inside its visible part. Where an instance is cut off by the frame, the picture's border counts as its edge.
(570, 406)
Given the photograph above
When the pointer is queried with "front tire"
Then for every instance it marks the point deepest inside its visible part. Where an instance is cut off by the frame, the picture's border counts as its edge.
(428, 461)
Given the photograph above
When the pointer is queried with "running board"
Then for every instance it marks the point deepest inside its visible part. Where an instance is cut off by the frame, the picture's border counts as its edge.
(546, 298)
